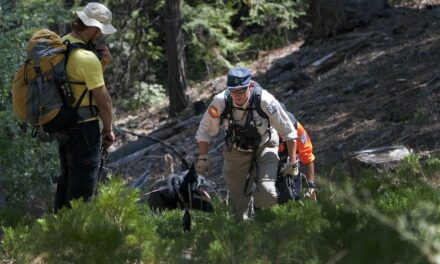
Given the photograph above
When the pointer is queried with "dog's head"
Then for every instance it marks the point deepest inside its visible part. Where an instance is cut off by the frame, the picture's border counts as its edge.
(183, 190)
(194, 190)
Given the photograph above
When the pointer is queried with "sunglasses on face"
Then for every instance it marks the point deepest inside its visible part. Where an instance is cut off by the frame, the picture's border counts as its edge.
(239, 91)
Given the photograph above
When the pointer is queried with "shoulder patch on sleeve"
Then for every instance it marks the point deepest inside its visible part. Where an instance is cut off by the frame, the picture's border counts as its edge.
(213, 112)
(272, 108)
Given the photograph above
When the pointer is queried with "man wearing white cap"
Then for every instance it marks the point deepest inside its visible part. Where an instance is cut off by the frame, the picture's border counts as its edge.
(79, 145)
(253, 118)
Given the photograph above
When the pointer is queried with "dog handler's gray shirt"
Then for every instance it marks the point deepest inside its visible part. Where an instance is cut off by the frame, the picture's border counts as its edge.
(279, 121)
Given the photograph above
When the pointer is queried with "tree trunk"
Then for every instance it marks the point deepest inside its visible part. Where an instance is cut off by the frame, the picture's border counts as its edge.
(2, 195)
(62, 28)
(2, 200)
(69, 3)
(175, 57)
(331, 17)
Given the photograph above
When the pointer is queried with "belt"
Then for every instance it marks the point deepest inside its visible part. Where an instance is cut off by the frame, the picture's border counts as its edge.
(87, 112)
(265, 144)
(242, 149)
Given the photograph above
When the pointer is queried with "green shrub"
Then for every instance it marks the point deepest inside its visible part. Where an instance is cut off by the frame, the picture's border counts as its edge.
(144, 96)
(404, 199)
(229, 239)
(410, 170)
(11, 216)
(431, 168)
(173, 243)
(290, 233)
(274, 21)
(399, 225)
(16, 27)
(362, 234)
(213, 43)
(111, 229)
(27, 165)
(370, 217)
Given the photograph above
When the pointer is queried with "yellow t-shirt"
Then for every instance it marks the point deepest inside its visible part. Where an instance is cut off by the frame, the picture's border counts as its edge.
(83, 66)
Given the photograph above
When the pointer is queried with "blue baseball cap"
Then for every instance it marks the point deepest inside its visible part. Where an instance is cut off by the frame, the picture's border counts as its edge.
(238, 78)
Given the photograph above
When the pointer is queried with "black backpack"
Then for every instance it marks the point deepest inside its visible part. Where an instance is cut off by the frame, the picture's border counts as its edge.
(255, 102)
(288, 187)
(247, 136)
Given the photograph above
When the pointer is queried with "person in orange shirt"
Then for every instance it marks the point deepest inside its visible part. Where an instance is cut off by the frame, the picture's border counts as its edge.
(305, 155)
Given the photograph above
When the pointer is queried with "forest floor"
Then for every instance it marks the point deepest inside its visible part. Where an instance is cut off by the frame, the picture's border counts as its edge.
(376, 86)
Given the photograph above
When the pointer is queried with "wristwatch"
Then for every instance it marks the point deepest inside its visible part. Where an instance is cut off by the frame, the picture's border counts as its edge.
(312, 185)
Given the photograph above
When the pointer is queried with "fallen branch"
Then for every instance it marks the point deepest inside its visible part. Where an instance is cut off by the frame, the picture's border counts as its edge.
(180, 155)
(129, 158)
(332, 59)
(141, 180)
(166, 131)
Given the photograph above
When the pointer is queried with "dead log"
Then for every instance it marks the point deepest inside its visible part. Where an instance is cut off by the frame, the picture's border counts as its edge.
(142, 143)
(129, 158)
(334, 58)
(383, 158)
(163, 143)
(141, 180)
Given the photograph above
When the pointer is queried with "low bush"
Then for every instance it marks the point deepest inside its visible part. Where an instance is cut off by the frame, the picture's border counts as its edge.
(381, 218)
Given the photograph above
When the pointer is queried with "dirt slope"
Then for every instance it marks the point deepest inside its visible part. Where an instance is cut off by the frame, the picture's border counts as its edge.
(385, 91)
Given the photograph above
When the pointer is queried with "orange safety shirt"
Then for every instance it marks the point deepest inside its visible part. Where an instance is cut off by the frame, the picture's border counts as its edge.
(304, 147)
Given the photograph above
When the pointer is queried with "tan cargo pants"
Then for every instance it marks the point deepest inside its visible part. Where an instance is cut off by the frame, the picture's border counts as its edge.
(235, 169)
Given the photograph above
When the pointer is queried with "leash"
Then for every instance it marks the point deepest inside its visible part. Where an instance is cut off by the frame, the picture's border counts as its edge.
(252, 167)
(186, 219)
(104, 155)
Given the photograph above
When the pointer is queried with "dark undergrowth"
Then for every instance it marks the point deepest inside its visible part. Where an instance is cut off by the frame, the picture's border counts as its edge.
(390, 217)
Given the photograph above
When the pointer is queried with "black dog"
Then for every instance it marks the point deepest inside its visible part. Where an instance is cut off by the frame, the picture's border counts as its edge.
(183, 191)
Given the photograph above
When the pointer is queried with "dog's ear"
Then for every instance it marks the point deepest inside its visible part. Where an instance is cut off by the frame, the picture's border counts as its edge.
(192, 174)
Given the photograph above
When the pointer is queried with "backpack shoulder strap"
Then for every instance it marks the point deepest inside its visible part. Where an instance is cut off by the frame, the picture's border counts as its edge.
(256, 99)
(255, 102)
(226, 116)
(69, 48)
(228, 106)
(77, 45)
